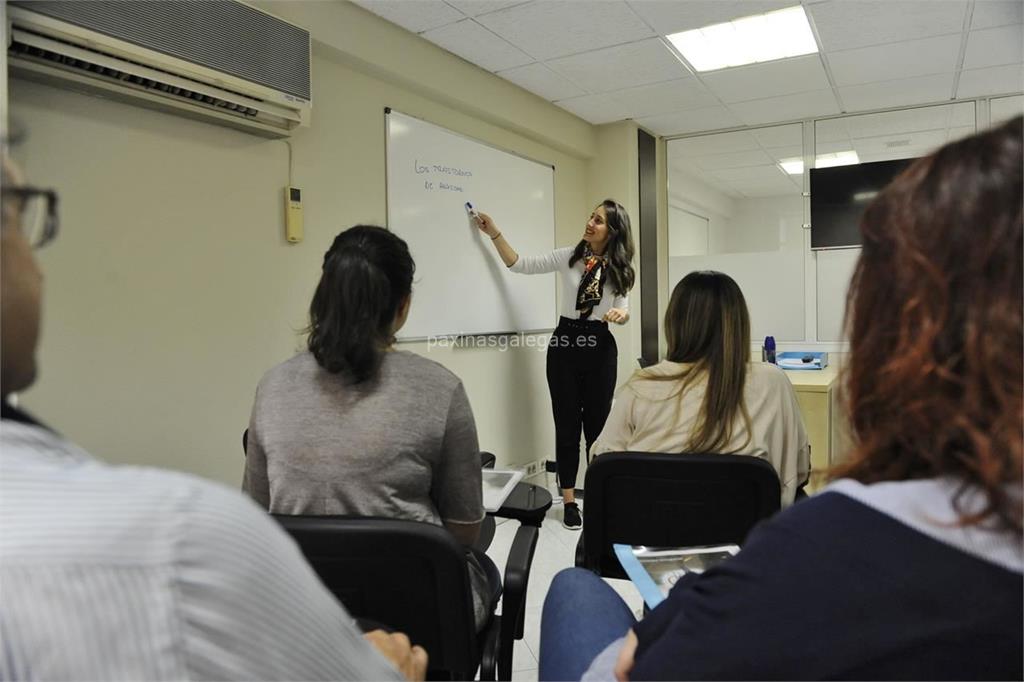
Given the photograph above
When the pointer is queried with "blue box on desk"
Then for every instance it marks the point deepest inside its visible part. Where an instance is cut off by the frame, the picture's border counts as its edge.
(795, 359)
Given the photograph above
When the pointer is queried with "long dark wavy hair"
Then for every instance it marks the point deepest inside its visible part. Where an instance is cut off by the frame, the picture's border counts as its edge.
(620, 248)
(367, 276)
(707, 326)
(934, 317)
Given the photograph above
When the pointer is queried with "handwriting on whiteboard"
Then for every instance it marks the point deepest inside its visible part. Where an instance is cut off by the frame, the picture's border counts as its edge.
(440, 186)
(422, 168)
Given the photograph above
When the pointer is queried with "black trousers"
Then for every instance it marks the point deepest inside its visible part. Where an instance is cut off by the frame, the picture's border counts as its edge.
(581, 378)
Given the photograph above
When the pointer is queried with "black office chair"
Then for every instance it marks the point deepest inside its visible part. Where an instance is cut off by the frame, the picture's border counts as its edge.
(412, 577)
(488, 527)
(671, 500)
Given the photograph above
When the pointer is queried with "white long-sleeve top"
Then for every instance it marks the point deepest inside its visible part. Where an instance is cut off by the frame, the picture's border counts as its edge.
(558, 261)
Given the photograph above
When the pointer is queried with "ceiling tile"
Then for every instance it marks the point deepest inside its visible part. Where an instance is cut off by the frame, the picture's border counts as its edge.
(900, 146)
(473, 8)
(476, 44)
(596, 109)
(555, 28)
(902, 122)
(544, 82)
(770, 79)
(1005, 108)
(413, 15)
(959, 133)
(962, 114)
(788, 107)
(848, 24)
(994, 47)
(996, 80)
(832, 130)
(718, 143)
(779, 153)
(622, 66)
(693, 121)
(825, 147)
(678, 95)
(682, 183)
(760, 174)
(672, 16)
(897, 93)
(779, 136)
(892, 155)
(775, 187)
(896, 60)
(989, 13)
(733, 160)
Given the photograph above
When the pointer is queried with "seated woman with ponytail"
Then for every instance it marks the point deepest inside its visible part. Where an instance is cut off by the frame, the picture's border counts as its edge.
(353, 426)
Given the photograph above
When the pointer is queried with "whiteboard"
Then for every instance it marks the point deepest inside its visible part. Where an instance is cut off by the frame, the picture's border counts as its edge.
(461, 285)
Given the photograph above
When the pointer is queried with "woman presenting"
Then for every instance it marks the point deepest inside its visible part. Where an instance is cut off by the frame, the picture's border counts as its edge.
(596, 275)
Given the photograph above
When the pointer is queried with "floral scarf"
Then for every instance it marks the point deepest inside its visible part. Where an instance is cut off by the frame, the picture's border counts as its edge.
(591, 284)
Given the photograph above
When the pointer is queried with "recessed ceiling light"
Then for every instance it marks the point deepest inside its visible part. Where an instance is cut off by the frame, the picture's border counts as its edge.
(795, 166)
(748, 40)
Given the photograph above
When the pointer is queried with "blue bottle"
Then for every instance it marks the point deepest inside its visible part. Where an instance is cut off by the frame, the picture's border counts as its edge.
(768, 352)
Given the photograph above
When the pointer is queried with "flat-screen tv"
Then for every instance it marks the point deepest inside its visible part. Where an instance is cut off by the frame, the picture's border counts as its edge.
(839, 196)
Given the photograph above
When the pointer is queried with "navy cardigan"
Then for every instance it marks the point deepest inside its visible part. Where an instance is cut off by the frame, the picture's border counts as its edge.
(833, 589)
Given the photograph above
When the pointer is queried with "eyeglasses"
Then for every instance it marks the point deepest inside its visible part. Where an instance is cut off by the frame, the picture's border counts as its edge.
(38, 208)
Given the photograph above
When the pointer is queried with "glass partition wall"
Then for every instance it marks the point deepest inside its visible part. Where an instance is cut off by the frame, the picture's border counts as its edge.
(867, 138)
(733, 208)
(739, 203)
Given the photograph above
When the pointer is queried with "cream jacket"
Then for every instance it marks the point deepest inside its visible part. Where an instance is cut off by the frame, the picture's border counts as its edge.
(647, 417)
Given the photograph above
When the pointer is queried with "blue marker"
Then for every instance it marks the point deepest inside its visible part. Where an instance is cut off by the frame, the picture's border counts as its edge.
(472, 211)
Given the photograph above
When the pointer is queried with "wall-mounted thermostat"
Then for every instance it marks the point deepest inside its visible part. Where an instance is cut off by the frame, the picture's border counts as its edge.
(293, 214)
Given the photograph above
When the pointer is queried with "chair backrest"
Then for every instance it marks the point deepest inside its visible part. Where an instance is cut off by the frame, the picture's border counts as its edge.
(672, 500)
(407, 575)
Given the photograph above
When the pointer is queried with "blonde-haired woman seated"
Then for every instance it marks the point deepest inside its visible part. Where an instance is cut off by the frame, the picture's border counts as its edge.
(707, 397)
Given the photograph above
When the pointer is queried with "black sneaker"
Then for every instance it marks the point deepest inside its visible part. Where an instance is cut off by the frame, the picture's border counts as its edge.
(571, 517)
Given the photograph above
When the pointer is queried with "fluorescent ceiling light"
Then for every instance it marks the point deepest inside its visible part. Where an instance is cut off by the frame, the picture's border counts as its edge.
(828, 160)
(792, 166)
(836, 159)
(748, 40)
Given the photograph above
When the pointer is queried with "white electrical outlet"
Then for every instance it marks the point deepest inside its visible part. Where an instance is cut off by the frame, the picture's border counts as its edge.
(533, 468)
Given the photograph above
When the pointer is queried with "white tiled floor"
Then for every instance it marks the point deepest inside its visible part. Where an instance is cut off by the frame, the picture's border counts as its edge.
(556, 549)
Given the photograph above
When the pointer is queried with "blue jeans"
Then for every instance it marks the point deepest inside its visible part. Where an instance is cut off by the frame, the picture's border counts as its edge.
(582, 615)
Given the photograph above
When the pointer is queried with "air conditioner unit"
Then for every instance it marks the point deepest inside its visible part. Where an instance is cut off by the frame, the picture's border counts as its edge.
(217, 60)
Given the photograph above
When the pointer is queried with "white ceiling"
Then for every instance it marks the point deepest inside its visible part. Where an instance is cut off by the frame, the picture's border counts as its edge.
(745, 163)
(607, 60)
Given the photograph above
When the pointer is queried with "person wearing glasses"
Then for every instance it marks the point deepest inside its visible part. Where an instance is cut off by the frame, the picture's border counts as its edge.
(133, 573)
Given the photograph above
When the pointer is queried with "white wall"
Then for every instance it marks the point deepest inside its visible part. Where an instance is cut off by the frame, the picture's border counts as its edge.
(765, 224)
(698, 198)
(689, 232)
(171, 288)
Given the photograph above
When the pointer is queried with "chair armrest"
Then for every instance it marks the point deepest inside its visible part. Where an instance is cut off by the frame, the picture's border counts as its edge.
(487, 460)
(513, 601)
(489, 651)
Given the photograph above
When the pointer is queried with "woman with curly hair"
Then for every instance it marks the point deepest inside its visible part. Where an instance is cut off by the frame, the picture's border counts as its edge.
(909, 564)
(596, 276)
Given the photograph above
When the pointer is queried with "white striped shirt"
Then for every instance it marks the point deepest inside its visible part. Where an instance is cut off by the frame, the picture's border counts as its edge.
(142, 574)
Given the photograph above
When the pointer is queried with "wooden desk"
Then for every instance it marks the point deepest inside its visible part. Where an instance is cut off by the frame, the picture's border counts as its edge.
(816, 393)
